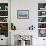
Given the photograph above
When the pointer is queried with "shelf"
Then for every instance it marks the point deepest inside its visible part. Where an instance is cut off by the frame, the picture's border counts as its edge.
(3, 22)
(41, 22)
(42, 16)
(41, 28)
(3, 10)
(41, 10)
(42, 37)
(3, 16)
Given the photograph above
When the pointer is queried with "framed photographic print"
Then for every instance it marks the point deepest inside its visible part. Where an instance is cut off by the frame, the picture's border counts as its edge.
(23, 14)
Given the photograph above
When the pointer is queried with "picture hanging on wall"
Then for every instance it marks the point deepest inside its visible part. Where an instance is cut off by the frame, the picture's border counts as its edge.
(22, 14)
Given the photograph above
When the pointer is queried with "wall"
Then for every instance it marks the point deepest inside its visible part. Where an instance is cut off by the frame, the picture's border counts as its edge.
(32, 6)
(23, 24)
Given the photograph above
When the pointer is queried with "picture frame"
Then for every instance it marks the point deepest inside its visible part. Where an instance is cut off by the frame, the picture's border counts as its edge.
(22, 14)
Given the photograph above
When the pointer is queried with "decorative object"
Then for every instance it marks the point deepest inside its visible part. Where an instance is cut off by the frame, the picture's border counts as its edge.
(42, 25)
(4, 29)
(0, 7)
(3, 19)
(13, 27)
(3, 13)
(41, 6)
(23, 14)
(23, 40)
(43, 13)
(6, 7)
(42, 32)
(42, 19)
(31, 27)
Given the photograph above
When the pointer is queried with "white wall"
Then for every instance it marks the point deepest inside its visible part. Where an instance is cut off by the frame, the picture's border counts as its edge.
(23, 24)
(32, 6)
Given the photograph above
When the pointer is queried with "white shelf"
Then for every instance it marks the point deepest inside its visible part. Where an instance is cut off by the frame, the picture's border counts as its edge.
(41, 28)
(3, 10)
(3, 22)
(41, 10)
(3, 16)
(41, 22)
(42, 16)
